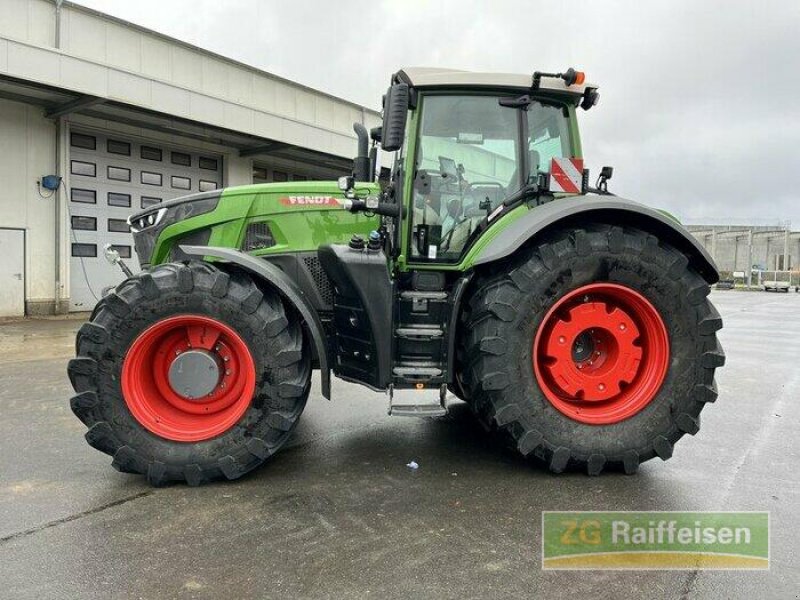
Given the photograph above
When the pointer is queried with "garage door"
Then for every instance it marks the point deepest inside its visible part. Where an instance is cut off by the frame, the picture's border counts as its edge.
(110, 178)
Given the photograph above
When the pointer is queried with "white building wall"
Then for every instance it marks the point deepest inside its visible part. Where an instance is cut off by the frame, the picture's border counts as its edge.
(109, 58)
(28, 151)
(33, 21)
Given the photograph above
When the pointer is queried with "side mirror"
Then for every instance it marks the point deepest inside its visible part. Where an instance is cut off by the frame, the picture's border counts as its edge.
(602, 180)
(395, 113)
(590, 98)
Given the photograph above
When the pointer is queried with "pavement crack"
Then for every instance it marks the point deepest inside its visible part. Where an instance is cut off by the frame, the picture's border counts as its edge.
(75, 517)
(688, 587)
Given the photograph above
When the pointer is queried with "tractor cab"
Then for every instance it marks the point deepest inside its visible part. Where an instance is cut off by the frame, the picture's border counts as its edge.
(470, 149)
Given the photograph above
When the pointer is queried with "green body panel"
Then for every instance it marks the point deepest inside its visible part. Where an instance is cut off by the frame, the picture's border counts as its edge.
(302, 216)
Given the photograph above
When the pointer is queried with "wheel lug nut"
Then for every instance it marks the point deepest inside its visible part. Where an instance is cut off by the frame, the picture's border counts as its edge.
(622, 326)
(601, 387)
(562, 340)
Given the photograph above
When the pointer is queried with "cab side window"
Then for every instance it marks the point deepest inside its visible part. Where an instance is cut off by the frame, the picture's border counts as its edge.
(548, 136)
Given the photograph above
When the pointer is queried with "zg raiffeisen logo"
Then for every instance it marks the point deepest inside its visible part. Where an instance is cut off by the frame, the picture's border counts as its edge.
(655, 540)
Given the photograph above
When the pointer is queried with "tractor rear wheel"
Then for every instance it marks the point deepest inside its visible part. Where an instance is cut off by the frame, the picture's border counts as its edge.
(189, 373)
(594, 349)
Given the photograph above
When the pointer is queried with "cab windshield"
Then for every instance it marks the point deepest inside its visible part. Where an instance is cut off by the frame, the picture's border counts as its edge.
(469, 159)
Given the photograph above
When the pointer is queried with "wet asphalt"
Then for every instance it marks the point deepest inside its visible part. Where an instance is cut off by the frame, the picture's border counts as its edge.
(338, 514)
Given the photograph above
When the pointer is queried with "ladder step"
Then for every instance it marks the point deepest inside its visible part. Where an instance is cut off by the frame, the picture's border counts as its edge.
(417, 410)
(412, 371)
(416, 295)
(419, 332)
(427, 402)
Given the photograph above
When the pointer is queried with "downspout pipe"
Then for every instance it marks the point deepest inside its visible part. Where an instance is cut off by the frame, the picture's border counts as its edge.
(58, 197)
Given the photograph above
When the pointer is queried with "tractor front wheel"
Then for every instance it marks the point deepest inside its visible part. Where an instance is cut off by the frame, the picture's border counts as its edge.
(189, 373)
(594, 349)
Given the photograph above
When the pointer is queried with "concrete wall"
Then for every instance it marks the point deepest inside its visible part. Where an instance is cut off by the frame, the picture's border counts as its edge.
(28, 151)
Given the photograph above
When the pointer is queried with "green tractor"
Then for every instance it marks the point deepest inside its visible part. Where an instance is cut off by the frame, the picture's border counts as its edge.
(573, 322)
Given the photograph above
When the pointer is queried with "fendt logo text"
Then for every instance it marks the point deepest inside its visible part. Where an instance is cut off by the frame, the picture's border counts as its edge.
(309, 200)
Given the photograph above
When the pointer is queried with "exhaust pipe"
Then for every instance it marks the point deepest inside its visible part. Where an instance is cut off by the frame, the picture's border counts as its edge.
(361, 161)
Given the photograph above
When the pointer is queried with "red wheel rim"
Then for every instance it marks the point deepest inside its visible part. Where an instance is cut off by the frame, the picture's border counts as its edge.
(601, 353)
(165, 411)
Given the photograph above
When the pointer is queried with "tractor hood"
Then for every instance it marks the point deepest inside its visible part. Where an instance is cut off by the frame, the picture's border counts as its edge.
(269, 218)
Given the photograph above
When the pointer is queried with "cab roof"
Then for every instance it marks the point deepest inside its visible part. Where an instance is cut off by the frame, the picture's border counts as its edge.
(432, 77)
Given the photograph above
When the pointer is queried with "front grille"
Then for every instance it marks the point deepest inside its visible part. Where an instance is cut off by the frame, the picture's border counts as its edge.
(144, 242)
(320, 277)
(195, 238)
(257, 236)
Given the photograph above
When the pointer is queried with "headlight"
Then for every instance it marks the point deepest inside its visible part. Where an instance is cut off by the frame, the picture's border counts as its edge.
(148, 224)
(140, 222)
(173, 211)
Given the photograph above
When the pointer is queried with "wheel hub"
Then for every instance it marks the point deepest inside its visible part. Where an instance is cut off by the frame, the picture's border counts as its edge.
(601, 353)
(194, 374)
(188, 378)
(603, 356)
(583, 346)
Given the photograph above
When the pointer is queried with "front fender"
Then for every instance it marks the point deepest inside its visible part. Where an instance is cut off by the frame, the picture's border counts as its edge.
(597, 208)
(288, 291)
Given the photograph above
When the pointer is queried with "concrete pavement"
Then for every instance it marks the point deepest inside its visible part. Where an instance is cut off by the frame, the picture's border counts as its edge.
(337, 514)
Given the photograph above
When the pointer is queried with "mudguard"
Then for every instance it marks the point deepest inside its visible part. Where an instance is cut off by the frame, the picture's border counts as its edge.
(602, 208)
(287, 289)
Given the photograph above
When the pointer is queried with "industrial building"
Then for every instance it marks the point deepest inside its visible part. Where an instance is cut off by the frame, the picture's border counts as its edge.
(751, 250)
(128, 117)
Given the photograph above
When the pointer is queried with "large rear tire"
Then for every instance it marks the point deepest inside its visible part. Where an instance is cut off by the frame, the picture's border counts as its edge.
(594, 349)
(163, 417)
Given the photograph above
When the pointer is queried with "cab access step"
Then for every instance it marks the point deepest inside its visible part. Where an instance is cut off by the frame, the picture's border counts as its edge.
(417, 402)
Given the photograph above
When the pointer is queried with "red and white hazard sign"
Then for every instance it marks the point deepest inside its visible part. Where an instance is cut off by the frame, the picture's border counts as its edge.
(566, 175)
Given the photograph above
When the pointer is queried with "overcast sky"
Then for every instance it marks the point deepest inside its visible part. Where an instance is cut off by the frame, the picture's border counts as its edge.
(700, 100)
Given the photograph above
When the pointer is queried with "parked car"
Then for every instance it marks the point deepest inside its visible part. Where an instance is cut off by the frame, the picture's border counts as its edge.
(725, 284)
